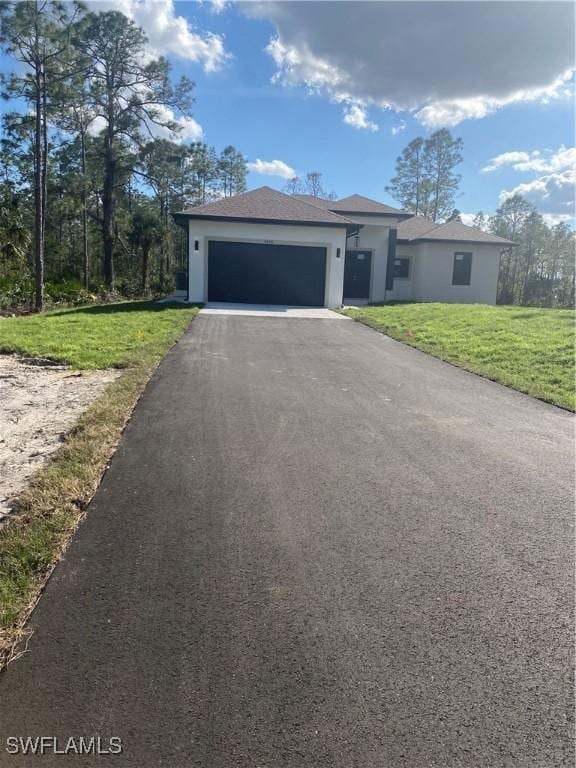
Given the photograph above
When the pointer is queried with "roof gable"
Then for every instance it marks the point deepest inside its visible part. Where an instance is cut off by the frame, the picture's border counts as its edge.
(419, 229)
(360, 204)
(313, 200)
(456, 230)
(266, 205)
(414, 227)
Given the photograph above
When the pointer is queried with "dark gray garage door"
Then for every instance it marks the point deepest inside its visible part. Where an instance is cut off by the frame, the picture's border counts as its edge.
(254, 273)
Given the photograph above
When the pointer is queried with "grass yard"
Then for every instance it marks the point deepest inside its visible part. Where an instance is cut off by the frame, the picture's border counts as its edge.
(529, 349)
(134, 336)
(103, 336)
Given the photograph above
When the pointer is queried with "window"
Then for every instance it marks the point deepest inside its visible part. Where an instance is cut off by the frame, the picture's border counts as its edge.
(462, 269)
(402, 267)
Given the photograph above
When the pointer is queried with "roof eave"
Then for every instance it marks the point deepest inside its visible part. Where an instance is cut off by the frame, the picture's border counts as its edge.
(503, 243)
(255, 220)
(180, 219)
(398, 215)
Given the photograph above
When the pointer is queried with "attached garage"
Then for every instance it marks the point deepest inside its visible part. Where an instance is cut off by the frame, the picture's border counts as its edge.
(259, 273)
(265, 247)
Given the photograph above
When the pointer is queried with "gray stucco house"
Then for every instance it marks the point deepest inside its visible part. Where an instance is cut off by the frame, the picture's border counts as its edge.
(266, 247)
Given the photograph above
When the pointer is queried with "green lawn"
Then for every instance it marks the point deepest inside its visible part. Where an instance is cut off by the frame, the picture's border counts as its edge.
(134, 336)
(529, 349)
(104, 336)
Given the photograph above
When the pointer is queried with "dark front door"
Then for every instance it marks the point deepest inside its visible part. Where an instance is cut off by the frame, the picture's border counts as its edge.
(357, 269)
(256, 273)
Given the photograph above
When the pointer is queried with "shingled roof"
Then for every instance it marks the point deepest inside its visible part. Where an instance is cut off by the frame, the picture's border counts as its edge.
(266, 205)
(321, 202)
(419, 229)
(357, 204)
(413, 228)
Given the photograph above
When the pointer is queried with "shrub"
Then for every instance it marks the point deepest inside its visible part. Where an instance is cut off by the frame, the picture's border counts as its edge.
(16, 292)
(70, 292)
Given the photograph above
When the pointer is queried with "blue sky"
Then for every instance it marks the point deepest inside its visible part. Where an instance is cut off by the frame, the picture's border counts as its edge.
(240, 104)
(342, 87)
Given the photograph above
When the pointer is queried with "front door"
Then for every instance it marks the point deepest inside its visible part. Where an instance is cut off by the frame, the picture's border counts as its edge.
(357, 269)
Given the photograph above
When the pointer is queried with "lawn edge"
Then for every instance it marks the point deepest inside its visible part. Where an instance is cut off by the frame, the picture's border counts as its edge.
(456, 364)
(53, 506)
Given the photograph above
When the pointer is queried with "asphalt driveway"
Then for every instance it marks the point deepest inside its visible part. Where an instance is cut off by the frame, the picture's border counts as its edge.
(315, 547)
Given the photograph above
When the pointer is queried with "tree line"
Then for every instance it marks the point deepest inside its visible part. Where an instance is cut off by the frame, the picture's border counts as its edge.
(311, 184)
(90, 162)
(91, 168)
(538, 271)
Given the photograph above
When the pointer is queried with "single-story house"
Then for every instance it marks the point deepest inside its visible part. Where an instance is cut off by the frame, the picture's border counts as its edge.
(266, 247)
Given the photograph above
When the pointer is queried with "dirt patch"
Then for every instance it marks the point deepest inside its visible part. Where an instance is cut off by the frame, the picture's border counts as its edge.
(39, 404)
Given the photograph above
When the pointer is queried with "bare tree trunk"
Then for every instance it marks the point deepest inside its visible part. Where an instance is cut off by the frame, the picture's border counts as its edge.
(38, 195)
(553, 279)
(524, 295)
(418, 191)
(44, 153)
(436, 197)
(145, 267)
(85, 253)
(108, 205)
(162, 275)
(513, 283)
(167, 245)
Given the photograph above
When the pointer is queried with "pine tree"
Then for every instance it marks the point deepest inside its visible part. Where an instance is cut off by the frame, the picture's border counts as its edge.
(480, 221)
(442, 153)
(131, 93)
(37, 34)
(409, 186)
(232, 171)
(201, 173)
(508, 222)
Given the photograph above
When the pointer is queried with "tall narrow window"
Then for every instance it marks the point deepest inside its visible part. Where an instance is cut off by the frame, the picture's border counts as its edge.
(462, 269)
(402, 267)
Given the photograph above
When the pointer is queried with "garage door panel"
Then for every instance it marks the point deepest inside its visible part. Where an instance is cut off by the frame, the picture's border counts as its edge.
(256, 273)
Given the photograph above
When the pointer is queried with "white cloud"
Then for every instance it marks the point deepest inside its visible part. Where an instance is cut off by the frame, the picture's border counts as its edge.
(553, 190)
(468, 218)
(296, 66)
(217, 6)
(453, 111)
(190, 130)
(357, 116)
(558, 218)
(534, 161)
(272, 168)
(508, 158)
(396, 129)
(443, 61)
(170, 34)
(97, 125)
(300, 66)
(552, 193)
